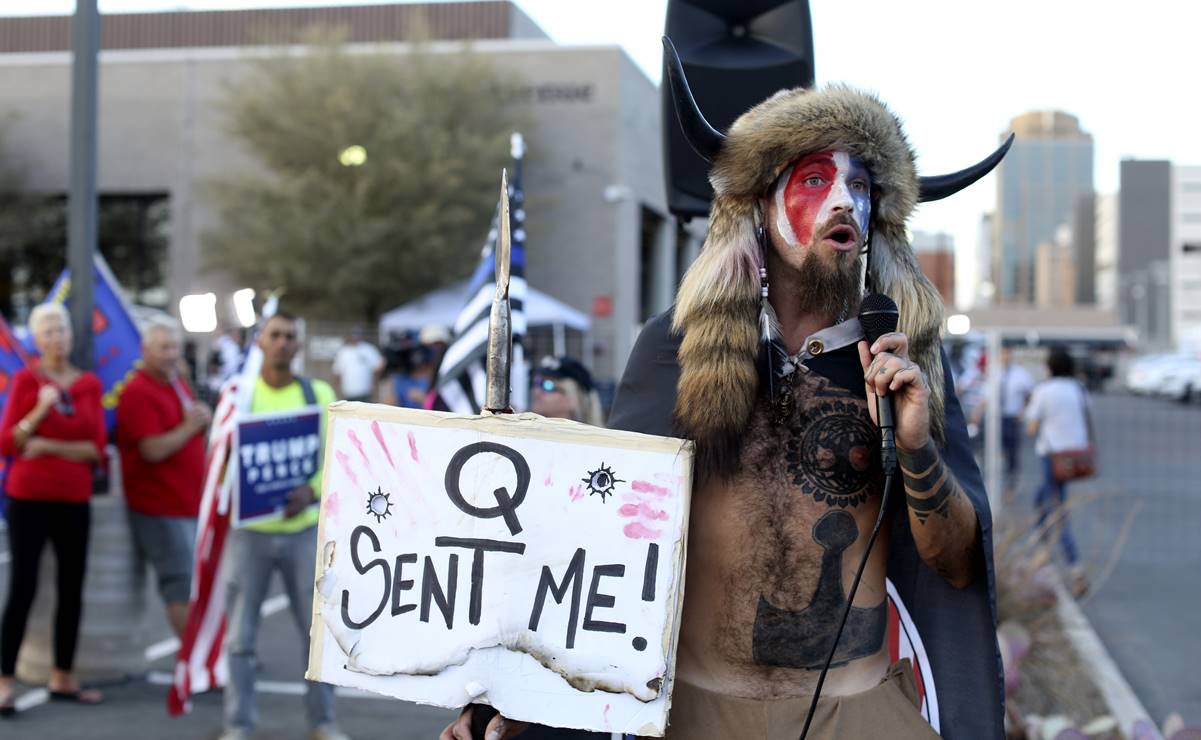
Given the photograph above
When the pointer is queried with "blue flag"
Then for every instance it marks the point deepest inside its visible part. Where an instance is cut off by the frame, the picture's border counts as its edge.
(12, 358)
(116, 341)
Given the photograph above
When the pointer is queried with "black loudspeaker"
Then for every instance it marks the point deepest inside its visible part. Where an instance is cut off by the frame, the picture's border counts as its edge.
(735, 53)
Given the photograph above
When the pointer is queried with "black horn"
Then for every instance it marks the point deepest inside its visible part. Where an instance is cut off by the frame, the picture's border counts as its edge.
(940, 186)
(704, 139)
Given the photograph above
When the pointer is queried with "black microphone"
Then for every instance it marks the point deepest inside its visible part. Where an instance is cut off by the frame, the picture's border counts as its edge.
(878, 316)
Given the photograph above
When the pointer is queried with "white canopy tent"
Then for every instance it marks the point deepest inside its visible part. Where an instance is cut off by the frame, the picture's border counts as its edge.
(441, 307)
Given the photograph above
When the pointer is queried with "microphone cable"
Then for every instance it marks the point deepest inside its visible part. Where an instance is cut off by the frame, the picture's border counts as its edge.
(846, 611)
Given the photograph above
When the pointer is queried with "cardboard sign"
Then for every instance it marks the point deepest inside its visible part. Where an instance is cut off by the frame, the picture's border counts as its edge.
(532, 564)
(276, 452)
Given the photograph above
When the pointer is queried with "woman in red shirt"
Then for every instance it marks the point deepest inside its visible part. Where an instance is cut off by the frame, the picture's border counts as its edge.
(53, 429)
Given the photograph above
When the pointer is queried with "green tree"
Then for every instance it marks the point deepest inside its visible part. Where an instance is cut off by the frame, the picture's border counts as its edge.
(347, 238)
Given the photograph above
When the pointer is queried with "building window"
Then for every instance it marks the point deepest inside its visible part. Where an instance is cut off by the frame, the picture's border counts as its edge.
(1191, 217)
(648, 278)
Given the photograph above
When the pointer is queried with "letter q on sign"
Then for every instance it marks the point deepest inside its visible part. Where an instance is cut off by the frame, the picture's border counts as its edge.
(506, 505)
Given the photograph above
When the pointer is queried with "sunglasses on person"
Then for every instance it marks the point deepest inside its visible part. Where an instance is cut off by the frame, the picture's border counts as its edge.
(548, 386)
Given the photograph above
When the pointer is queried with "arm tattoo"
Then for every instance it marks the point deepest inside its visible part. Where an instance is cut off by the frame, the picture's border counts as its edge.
(929, 484)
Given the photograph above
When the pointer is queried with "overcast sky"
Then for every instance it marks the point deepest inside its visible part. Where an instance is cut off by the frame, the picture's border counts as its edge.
(956, 71)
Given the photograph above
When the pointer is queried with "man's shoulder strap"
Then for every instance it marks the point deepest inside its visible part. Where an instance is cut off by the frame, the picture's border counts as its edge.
(306, 387)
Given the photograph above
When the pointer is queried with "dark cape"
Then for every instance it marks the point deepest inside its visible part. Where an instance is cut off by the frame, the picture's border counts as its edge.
(957, 626)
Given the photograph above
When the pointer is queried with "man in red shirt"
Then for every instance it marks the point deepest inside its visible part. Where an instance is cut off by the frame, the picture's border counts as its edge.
(160, 432)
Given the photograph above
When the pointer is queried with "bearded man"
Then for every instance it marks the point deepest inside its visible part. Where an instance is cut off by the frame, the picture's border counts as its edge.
(773, 381)
(763, 364)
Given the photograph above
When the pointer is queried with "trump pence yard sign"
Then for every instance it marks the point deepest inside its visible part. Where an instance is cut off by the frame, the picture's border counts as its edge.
(532, 564)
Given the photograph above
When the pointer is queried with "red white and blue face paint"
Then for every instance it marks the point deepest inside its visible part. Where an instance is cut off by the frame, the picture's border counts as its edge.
(818, 187)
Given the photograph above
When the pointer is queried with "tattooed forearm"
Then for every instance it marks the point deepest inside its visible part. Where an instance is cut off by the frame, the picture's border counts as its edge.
(929, 485)
(949, 542)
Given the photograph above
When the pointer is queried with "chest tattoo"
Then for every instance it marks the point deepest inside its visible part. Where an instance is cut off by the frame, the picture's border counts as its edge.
(815, 445)
(802, 639)
(830, 450)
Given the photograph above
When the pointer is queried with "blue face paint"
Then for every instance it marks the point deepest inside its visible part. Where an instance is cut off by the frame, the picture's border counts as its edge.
(818, 187)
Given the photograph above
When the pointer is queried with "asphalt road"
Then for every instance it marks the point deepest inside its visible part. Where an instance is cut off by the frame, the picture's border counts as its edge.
(1146, 604)
(1145, 609)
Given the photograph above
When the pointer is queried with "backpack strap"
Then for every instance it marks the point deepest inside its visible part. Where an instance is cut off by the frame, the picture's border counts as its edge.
(306, 387)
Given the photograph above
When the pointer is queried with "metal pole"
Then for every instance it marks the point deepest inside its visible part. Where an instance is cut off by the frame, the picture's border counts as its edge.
(559, 337)
(993, 478)
(81, 201)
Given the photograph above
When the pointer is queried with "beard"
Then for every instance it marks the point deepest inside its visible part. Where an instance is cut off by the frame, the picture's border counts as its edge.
(830, 287)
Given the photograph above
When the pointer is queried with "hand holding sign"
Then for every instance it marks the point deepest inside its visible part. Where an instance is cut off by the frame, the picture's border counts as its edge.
(277, 453)
(467, 728)
(459, 552)
(299, 499)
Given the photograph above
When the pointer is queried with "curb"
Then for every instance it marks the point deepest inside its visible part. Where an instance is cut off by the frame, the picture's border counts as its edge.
(1124, 705)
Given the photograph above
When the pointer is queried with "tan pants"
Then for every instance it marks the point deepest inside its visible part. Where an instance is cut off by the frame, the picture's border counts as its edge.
(890, 710)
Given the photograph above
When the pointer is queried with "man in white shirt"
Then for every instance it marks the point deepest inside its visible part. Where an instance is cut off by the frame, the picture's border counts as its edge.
(1016, 385)
(357, 366)
(1058, 418)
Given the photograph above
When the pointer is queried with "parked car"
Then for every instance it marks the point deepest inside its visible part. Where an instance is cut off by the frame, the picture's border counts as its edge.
(1145, 375)
(1181, 382)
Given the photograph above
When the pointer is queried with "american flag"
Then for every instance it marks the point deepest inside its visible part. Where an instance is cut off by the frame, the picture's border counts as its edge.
(200, 664)
(461, 376)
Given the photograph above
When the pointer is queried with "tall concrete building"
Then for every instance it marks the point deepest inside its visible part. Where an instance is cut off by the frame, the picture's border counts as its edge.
(980, 291)
(1055, 271)
(1145, 249)
(1039, 184)
(1185, 258)
(936, 255)
(1105, 231)
(1084, 249)
(599, 236)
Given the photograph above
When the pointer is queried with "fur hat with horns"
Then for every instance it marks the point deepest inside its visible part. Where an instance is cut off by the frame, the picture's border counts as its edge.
(718, 304)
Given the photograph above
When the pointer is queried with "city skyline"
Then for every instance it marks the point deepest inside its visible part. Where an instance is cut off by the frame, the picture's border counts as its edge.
(963, 77)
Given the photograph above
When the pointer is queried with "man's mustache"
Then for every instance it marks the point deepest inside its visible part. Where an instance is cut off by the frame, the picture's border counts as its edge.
(839, 220)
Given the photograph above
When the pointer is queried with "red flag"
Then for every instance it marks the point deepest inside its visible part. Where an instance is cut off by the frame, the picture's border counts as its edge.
(200, 664)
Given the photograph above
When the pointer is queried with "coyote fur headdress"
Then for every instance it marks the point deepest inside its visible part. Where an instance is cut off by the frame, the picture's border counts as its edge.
(718, 306)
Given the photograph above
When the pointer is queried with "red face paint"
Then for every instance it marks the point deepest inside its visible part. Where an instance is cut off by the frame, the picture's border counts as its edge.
(806, 191)
(814, 189)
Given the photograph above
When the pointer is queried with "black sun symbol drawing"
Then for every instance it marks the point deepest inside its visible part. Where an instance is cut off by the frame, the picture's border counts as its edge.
(602, 481)
(378, 504)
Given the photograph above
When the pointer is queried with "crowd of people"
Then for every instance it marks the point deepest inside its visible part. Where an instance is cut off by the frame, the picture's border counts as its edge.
(55, 432)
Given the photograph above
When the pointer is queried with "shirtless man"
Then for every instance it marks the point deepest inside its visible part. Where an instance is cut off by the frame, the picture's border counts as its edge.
(773, 382)
(773, 548)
